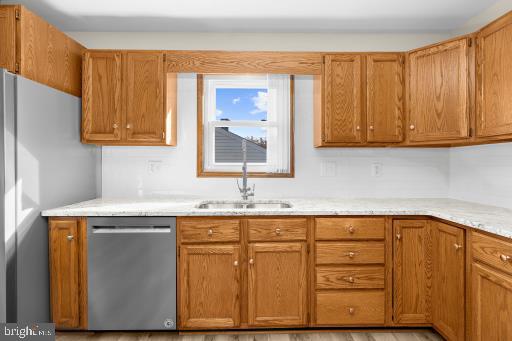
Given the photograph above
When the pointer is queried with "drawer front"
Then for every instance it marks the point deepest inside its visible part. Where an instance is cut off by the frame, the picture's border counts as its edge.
(350, 307)
(495, 252)
(209, 230)
(277, 229)
(350, 253)
(371, 277)
(349, 228)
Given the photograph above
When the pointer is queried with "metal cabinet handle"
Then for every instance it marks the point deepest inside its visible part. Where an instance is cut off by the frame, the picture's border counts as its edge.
(351, 229)
(235, 263)
(412, 127)
(351, 254)
(505, 258)
(457, 247)
(398, 236)
(70, 237)
(278, 231)
(210, 232)
(371, 128)
(358, 128)
(349, 279)
(251, 261)
(128, 126)
(115, 126)
(351, 310)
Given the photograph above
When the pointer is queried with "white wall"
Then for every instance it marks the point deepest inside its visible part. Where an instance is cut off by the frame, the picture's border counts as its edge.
(474, 24)
(482, 174)
(406, 172)
(256, 41)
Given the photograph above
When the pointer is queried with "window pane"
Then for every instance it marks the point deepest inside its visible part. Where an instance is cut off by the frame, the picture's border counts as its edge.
(238, 104)
(228, 144)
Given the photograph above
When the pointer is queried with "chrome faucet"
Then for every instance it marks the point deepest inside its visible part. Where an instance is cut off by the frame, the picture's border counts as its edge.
(245, 191)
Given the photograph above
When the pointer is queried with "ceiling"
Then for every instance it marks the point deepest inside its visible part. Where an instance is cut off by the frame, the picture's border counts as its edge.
(257, 16)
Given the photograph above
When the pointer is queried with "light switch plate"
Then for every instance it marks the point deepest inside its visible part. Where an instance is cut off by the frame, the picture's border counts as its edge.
(377, 169)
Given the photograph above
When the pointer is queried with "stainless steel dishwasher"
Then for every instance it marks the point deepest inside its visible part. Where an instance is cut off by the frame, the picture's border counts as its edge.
(132, 273)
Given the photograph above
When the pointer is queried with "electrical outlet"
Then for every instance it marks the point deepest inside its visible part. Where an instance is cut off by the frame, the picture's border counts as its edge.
(377, 169)
(154, 166)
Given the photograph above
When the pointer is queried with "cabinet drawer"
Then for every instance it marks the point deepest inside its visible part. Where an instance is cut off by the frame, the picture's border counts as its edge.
(493, 251)
(209, 230)
(349, 228)
(350, 253)
(371, 277)
(350, 307)
(277, 229)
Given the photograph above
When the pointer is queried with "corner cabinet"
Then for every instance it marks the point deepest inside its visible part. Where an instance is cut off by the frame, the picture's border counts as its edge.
(439, 92)
(494, 78)
(128, 99)
(68, 272)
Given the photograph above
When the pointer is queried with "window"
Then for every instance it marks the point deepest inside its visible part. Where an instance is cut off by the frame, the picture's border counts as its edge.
(254, 108)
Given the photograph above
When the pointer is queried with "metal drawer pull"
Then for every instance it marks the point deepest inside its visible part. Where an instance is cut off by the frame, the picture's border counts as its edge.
(210, 232)
(251, 261)
(278, 231)
(351, 229)
(457, 247)
(70, 237)
(505, 258)
(351, 254)
(351, 311)
(349, 279)
(235, 263)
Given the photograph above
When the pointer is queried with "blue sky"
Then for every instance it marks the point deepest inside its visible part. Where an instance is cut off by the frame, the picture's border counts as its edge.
(242, 104)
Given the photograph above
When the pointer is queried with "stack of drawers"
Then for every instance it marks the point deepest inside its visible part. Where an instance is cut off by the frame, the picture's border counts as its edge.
(350, 268)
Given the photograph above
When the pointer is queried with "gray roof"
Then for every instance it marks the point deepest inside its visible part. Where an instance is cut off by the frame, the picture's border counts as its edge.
(228, 148)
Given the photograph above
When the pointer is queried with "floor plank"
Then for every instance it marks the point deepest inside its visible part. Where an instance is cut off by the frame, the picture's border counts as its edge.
(313, 336)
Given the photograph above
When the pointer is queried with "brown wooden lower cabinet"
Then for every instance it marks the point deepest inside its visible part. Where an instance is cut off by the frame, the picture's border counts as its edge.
(209, 286)
(412, 269)
(449, 280)
(277, 284)
(350, 308)
(68, 281)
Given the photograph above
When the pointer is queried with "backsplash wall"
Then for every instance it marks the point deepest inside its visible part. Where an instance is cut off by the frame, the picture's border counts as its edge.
(339, 172)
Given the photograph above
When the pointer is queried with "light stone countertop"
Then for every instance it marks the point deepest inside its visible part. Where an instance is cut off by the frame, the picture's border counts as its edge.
(492, 219)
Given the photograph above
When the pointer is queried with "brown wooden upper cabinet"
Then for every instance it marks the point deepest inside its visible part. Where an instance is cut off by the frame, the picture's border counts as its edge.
(438, 92)
(128, 99)
(384, 97)
(345, 117)
(34, 49)
(494, 79)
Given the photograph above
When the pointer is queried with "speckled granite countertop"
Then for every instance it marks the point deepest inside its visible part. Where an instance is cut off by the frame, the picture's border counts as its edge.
(492, 219)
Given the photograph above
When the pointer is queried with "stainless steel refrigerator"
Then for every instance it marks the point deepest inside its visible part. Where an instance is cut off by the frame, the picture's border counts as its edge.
(42, 165)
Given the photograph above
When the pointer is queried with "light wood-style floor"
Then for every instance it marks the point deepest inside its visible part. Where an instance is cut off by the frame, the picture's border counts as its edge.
(322, 336)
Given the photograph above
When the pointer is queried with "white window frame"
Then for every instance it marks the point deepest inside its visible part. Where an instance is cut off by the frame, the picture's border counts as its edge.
(278, 122)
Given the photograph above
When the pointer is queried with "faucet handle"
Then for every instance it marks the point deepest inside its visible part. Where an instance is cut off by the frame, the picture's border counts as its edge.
(239, 188)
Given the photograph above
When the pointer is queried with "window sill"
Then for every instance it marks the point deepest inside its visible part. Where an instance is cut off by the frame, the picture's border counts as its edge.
(216, 174)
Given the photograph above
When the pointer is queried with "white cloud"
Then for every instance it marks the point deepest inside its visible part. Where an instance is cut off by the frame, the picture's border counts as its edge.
(218, 113)
(260, 102)
(236, 100)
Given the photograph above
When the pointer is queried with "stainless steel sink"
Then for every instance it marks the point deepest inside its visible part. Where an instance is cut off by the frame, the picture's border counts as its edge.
(220, 205)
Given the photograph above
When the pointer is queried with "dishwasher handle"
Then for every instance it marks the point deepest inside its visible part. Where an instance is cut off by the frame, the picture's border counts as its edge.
(131, 230)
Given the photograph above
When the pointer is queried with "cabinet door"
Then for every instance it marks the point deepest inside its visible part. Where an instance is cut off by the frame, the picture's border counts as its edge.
(144, 97)
(64, 273)
(494, 78)
(384, 98)
(8, 38)
(277, 284)
(209, 286)
(448, 277)
(438, 102)
(101, 102)
(491, 304)
(342, 98)
(412, 271)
